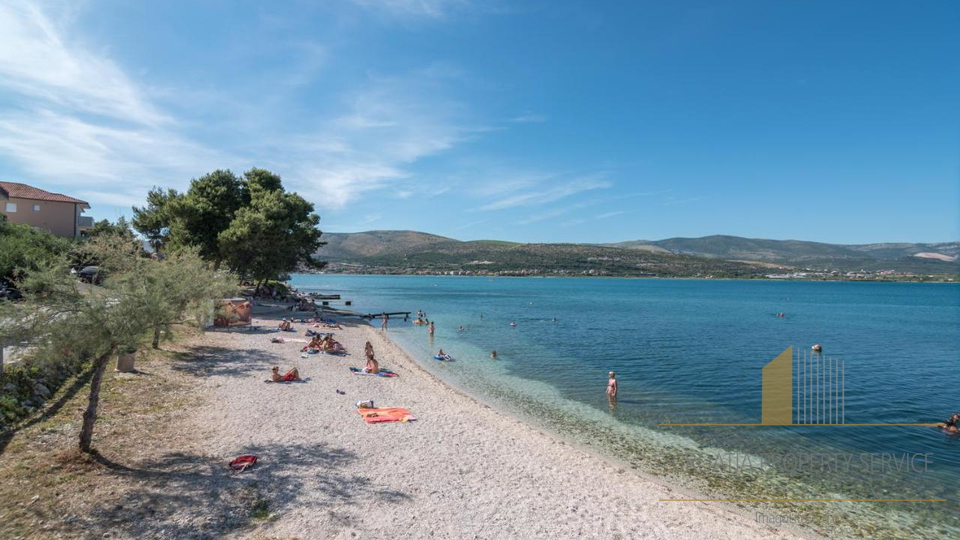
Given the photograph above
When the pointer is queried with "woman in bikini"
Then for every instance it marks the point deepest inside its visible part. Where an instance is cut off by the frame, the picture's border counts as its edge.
(612, 387)
(292, 375)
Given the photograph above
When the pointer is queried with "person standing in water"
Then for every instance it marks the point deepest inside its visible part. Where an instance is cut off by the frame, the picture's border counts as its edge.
(612, 387)
(383, 322)
(431, 328)
(493, 355)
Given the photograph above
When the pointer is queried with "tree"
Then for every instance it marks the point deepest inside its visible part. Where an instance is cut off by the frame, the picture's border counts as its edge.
(61, 318)
(274, 235)
(153, 221)
(199, 216)
(23, 248)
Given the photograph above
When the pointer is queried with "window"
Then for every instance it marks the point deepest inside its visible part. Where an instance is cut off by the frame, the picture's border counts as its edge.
(36, 208)
(11, 207)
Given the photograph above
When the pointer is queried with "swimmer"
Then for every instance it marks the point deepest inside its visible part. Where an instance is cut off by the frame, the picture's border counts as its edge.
(431, 329)
(513, 325)
(493, 355)
(461, 329)
(952, 425)
(612, 387)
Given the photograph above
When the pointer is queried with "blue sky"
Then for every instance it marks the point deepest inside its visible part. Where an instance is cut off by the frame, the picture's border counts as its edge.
(529, 121)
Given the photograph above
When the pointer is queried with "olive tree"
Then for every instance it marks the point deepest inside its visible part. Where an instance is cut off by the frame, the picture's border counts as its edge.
(63, 318)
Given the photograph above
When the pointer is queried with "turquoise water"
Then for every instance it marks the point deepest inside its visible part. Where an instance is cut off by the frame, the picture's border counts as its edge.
(689, 351)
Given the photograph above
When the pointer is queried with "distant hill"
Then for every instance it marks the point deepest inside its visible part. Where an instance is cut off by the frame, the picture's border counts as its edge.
(721, 256)
(903, 257)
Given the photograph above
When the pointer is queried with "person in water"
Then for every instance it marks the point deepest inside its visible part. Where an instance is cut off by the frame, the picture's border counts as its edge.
(612, 387)
(443, 355)
(383, 323)
(493, 355)
(292, 375)
(461, 328)
(952, 425)
(431, 329)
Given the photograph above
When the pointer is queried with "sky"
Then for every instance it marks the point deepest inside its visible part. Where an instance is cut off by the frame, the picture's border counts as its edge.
(531, 121)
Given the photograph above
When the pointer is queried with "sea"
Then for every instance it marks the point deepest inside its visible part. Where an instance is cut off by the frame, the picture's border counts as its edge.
(693, 352)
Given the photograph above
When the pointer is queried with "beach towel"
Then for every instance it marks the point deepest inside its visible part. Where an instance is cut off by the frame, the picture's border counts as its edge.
(390, 414)
(244, 462)
(382, 373)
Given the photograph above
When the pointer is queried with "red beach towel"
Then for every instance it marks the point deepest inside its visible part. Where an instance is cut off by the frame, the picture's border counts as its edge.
(244, 462)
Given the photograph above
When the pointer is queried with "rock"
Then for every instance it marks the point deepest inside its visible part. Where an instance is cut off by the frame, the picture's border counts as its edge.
(41, 390)
(9, 388)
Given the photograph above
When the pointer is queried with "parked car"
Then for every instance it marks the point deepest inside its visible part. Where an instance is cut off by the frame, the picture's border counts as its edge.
(7, 292)
(91, 274)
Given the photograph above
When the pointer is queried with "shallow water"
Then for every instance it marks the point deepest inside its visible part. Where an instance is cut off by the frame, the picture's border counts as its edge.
(690, 351)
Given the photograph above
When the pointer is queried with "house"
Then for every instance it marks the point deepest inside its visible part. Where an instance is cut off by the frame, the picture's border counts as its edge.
(53, 212)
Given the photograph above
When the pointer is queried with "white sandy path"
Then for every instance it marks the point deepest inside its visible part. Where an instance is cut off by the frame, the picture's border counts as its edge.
(462, 470)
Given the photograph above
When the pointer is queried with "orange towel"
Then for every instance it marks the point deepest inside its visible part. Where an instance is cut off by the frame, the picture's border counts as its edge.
(390, 414)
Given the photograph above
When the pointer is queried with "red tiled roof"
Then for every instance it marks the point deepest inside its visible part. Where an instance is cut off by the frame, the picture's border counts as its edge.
(23, 191)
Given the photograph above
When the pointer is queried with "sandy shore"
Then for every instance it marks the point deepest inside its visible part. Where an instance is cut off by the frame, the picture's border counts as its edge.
(462, 470)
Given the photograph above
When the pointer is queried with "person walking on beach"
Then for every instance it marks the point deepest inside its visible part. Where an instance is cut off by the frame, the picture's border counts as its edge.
(612, 387)
(383, 322)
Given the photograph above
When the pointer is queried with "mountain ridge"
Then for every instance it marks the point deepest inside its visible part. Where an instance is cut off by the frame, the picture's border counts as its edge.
(413, 249)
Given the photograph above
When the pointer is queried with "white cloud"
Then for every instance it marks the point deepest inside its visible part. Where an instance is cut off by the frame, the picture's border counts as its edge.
(610, 214)
(36, 62)
(75, 119)
(413, 8)
(549, 194)
(529, 118)
(386, 128)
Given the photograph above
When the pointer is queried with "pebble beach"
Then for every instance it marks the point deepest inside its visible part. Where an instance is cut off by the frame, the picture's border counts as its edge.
(460, 470)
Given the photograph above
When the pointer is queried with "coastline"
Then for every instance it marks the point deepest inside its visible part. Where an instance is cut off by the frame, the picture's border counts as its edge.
(949, 279)
(462, 469)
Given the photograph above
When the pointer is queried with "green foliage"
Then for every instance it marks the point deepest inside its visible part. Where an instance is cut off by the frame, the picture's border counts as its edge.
(120, 228)
(153, 220)
(251, 223)
(271, 236)
(23, 248)
(199, 216)
(66, 322)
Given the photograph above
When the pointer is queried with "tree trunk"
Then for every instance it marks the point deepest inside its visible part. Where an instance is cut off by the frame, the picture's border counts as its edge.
(156, 336)
(90, 415)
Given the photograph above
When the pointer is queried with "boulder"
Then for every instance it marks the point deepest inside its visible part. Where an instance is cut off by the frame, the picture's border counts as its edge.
(41, 391)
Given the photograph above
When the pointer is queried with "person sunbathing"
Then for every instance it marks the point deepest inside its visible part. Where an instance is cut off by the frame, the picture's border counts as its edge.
(372, 365)
(285, 325)
(292, 375)
(331, 345)
(315, 345)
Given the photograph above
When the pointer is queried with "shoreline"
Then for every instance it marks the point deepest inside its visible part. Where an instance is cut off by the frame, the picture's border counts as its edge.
(462, 469)
(948, 280)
